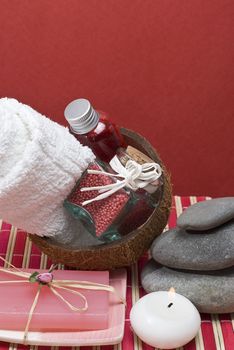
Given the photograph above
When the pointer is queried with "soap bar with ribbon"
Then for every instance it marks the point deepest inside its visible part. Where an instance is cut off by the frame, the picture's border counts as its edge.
(63, 300)
(103, 197)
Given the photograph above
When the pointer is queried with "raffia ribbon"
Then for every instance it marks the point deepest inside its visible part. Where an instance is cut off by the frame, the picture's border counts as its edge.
(133, 175)
(68, 285)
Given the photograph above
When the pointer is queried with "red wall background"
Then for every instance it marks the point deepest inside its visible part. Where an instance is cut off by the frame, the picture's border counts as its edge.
(161, 67)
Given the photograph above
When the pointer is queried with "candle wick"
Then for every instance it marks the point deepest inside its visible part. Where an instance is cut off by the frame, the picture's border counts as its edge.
(169, 305)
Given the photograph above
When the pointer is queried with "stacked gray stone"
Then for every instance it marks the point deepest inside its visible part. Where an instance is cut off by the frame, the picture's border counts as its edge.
(197, 257)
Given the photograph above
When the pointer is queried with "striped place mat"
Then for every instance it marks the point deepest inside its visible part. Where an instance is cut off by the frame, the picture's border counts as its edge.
(216, 331)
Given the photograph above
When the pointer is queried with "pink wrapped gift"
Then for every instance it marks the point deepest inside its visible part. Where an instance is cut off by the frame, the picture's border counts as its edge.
(52, 313)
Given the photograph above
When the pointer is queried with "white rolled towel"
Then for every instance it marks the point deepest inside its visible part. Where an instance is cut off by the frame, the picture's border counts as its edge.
(40, 162)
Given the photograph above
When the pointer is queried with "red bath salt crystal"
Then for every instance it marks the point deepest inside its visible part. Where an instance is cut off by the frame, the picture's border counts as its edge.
(104, 211)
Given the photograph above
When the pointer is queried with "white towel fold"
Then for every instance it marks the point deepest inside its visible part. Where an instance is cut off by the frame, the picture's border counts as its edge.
(40, 162)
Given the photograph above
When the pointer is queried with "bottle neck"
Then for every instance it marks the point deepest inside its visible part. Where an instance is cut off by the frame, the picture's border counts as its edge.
(81, 116)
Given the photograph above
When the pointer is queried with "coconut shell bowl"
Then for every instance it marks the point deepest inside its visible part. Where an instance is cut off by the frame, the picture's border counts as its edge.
(131, 246)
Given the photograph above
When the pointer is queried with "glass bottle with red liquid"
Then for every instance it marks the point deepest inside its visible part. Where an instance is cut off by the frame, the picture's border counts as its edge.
(94, 129)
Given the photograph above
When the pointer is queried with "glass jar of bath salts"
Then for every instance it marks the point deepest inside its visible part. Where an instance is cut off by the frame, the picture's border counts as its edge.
(117, 200)
(100, 214)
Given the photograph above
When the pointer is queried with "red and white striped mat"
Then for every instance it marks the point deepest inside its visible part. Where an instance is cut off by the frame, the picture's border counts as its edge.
(216, 331)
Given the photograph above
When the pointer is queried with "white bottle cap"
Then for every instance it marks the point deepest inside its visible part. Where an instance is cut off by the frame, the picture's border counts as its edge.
(81, 116)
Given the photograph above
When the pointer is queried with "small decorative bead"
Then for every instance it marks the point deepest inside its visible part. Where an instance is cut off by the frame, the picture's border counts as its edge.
(45, 277)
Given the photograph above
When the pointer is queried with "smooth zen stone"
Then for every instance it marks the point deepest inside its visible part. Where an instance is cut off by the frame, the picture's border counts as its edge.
(177, 248)
(210, 292)
(208, 214)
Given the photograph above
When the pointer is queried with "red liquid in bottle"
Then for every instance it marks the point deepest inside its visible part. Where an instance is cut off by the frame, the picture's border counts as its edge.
(104, 139)
(94, 129)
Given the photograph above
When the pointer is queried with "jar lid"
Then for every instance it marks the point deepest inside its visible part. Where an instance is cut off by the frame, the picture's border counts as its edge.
(81, 116)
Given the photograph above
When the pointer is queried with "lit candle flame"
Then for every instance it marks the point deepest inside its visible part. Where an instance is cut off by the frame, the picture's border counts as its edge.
(171, 293)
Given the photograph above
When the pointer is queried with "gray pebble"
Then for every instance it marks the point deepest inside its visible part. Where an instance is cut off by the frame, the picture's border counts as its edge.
(211, 250)
(210, 292)
(207, 214)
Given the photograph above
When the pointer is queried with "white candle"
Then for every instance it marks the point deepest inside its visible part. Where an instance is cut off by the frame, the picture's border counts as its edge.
(165, 320)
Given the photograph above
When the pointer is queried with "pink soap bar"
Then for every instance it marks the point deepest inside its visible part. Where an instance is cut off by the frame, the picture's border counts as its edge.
(51, 313)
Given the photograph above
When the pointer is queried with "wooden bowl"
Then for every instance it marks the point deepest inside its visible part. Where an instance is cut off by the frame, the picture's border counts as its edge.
(130, 247)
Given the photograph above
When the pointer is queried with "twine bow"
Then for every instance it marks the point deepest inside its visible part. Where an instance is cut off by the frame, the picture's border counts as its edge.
(134, 176)
(46, 279)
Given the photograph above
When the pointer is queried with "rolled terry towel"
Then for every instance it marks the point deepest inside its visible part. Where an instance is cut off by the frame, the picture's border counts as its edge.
(40, 162)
